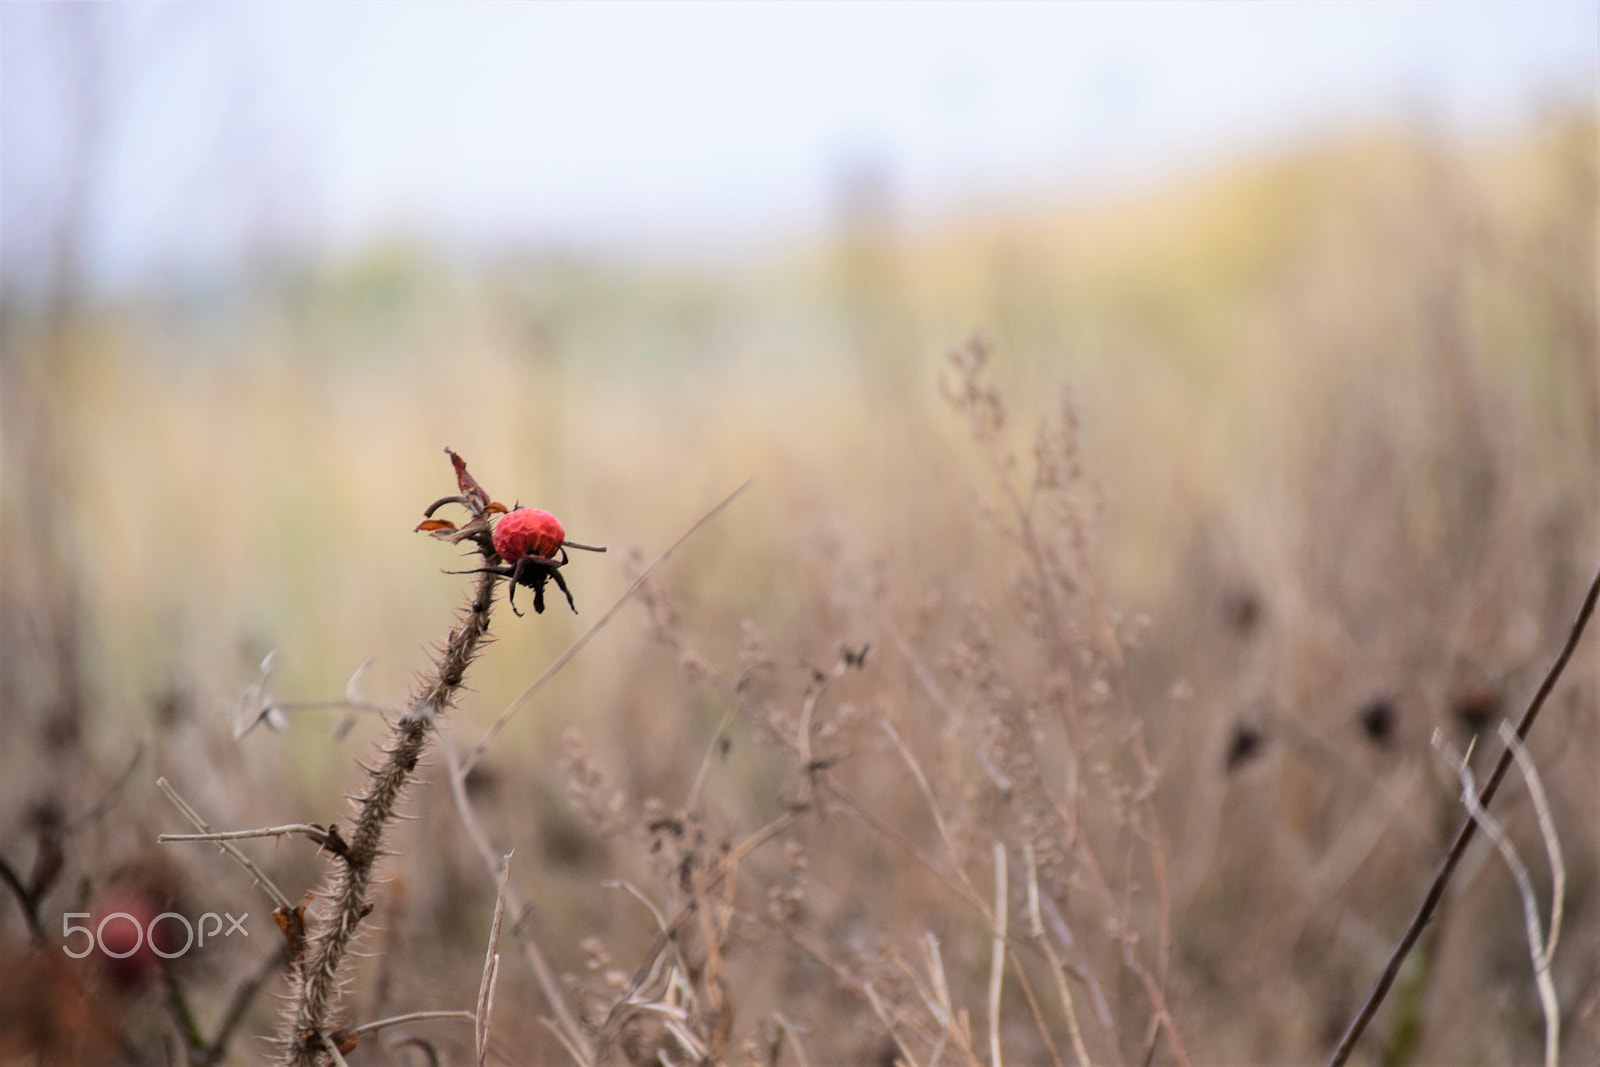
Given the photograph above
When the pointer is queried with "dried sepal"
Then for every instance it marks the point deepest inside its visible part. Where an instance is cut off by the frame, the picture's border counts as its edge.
(469, 485)
(432, 525)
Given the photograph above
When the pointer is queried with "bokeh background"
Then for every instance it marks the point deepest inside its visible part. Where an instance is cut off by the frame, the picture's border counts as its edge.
(1292, 308)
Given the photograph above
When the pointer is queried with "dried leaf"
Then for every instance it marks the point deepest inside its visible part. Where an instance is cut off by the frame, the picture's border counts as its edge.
(496, 509)
(292, 924)
(469, 485)
(434, 524)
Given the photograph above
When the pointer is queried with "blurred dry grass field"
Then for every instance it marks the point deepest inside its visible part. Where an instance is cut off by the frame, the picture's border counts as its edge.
(1167, 650)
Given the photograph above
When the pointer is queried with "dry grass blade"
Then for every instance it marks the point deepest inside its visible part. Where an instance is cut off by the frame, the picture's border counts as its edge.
(1547, 830)
(491, 965)
(997, 960)
(472, 757)
(1530, 904)
(1435, 893)
(408, 1017)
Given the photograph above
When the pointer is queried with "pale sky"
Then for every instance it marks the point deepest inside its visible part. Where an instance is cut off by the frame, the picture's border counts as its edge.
(680, 128)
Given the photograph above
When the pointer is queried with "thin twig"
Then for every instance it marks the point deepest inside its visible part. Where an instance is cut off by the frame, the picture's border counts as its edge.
(1435, 893)
(410, 1017)
(229, 847)
(471, 759)
(312, 830)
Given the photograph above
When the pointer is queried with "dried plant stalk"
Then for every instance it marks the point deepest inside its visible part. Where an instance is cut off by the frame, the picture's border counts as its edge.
(315, 985)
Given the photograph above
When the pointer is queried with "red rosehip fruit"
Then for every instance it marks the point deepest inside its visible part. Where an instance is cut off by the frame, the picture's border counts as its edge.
(528, 532)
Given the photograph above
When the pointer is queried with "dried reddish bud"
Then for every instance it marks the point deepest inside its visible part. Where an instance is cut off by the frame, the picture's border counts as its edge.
(528, 532)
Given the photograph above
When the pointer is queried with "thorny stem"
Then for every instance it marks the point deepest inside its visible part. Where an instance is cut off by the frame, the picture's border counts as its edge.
(1430, 901)
(314, 992)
